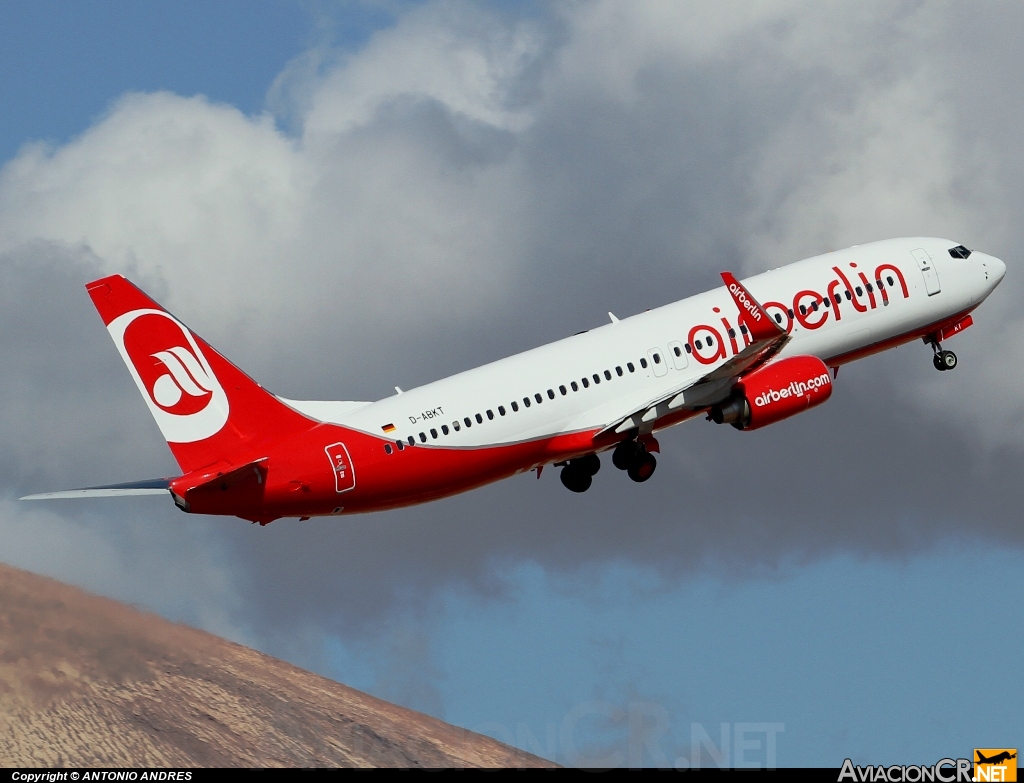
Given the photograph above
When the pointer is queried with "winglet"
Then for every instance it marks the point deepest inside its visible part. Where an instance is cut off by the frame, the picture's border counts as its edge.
(752, 314)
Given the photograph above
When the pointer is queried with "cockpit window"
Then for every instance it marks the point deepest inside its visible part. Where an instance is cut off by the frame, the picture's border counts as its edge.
(959, 252)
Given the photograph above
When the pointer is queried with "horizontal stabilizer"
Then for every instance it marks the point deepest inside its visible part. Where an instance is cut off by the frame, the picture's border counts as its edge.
(147, 487)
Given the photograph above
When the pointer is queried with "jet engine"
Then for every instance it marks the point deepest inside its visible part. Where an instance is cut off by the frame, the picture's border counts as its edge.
(774, 392)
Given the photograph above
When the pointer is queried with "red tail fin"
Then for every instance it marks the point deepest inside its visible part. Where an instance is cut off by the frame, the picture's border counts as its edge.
(207, 409)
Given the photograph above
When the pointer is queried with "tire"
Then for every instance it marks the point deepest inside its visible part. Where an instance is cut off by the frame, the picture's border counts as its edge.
(948, 360)
(589, 464)
(625, 454)
(937, 362)
(574, 480)
(643, 468)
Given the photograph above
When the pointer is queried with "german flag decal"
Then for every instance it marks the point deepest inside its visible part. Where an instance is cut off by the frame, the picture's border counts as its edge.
(388, 428)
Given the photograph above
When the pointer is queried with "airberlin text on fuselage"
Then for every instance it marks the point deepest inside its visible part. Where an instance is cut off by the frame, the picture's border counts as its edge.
(842, 292)
(795, 389)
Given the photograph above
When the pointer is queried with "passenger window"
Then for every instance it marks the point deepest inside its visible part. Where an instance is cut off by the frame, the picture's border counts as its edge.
(849, 296)
(859, 290)
(501, 410)
(586, 383)
(563, 390)
(515, 405)
(618, 371)
(732, 333)
(803, 310)
(643, 363)
(433, 434)
(400, 444)
(444, 429)
(526, 401)
(710, 341)
(423, 437)
(791, 316)
(743, 328)
(814, 306)
(538, 398)
(889, 280)
(412, 440)
(676, 350)
(838, 298)
(699, 344)
(870, 289)
(455, 426)
(656, 357)
(630, 367)
(551, 394)
(778, 318)
(879, 284)
(490, 414)
(479, 419)
(597, 378)
(574, 386)
(467, 422)
(827, 302)
(607, 375)
(387, 448)
(687, 348)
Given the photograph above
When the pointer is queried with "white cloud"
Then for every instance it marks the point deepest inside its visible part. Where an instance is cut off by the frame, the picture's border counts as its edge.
(469, 169)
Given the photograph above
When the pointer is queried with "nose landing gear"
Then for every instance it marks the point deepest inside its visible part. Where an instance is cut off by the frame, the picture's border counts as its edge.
(941, 360)
(944, 360)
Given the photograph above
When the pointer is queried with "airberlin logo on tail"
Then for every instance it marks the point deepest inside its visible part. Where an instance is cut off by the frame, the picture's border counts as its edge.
(185, 379)
(742, 299)
(176, 380)
(795, 389)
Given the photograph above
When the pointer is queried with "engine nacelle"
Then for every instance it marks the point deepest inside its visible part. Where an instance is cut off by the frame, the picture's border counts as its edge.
(775, 392)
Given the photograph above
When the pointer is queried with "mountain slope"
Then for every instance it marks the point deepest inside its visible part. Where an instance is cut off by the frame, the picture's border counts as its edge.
(88, 681)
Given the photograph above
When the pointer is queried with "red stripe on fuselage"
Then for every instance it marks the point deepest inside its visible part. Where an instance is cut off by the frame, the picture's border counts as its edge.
(899, 339)
(299, 479)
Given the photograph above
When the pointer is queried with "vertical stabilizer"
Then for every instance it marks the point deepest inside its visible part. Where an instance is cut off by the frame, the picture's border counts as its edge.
(208, 410)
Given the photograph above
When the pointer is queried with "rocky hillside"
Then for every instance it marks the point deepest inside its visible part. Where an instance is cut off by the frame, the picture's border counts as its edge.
(88, 681)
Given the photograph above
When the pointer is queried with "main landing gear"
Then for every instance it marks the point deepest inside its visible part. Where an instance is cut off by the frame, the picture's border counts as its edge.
(634, 458)
(578, 474)
(942, 360)
(631, 456)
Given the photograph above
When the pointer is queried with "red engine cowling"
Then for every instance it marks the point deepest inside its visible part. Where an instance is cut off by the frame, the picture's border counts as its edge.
(775, 392)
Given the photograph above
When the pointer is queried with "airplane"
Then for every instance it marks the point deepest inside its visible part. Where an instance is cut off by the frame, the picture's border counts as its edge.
(999, 758)
(747, 354)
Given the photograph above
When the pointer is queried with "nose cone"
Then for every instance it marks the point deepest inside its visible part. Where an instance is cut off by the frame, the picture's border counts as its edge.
(996, 270)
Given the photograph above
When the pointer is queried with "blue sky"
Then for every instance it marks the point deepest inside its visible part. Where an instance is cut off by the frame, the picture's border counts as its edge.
(833, 629)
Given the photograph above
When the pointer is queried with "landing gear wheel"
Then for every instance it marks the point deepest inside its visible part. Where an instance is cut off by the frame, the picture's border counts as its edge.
(626, 453)
(643, 468)
(937, 363)
(575, 480)
(948, 359)
(588, 464)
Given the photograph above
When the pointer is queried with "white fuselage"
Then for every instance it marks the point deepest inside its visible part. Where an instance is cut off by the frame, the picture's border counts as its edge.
(661, 346)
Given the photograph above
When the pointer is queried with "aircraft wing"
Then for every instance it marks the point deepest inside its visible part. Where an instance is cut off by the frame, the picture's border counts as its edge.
(767, 337)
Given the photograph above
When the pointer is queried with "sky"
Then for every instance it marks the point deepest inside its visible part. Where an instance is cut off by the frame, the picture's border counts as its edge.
(344, 197)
